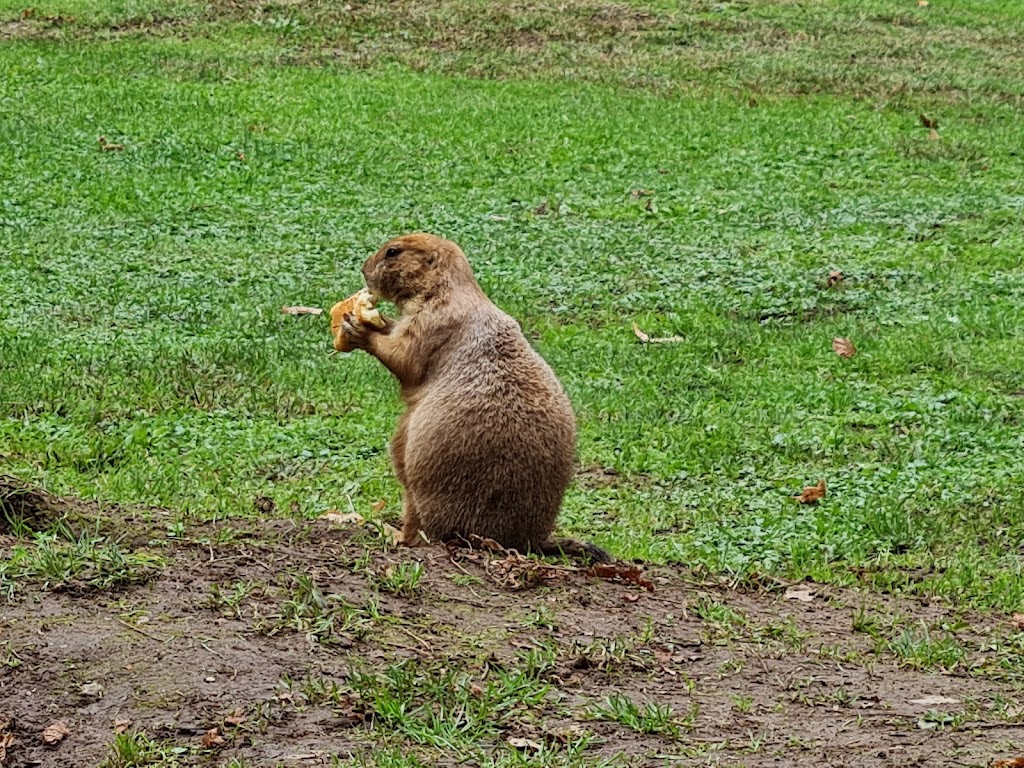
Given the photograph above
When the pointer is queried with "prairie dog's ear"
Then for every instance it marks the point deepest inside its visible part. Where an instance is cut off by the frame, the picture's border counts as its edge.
(432, 258)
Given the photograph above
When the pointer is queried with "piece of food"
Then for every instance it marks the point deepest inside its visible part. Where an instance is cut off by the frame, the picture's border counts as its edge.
(361, 306)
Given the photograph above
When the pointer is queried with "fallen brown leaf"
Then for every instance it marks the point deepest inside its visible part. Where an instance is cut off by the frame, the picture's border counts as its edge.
(28, 13)
(631, 573)
(922, 3)
(343, 518)
(378, 505)
(541, 209)
(844, 347)
(812, 494)
(390, 534)
(516, 572)
(630, 598)
(235, 718)
(301, 310)
(92, 689)
(802, 593)
(6, 740)
(834, 278)
(240, 155)
(54, 733)
(107, 146)
(121, 724)
(636, 194)
(265, 504)
(523, 744)
(1018, 621)
(647, 339)
(213, 739)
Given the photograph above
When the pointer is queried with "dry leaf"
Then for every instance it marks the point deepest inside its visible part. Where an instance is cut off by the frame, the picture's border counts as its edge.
(391, 535)
(92, 689)
(834, 277)
(265, 504)
(624, 571)
(212, 739)
(844, 347)
(235, 718)
(1017, 762)
(812, 494)
(647, 339)
(934, 701)
(28, 13)
(801, 593)
(541, 209)
(340, 518)
(524, 744)
(933, 135)
(54, 733)
(121, 724)
(1018, 621)
(636, 194)
(301, 310)
(240, 155)
(630, 598)
(922, 3)
(377, 506)
(106, 146)
(927, 122)
(6, 740)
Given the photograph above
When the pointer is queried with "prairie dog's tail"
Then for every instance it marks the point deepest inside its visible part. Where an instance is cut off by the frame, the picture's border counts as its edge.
(575, 548)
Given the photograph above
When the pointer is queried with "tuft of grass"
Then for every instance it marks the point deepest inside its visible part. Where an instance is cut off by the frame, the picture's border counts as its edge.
(60, 557)
(651, 718)
(433, 704)
(133, 749)
(327, 619)
(400, 579)
(917, 647)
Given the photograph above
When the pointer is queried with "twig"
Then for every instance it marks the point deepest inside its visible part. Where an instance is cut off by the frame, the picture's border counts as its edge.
(143, 632)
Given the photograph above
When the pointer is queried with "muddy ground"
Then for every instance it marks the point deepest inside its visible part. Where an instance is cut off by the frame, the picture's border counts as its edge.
(227, 632)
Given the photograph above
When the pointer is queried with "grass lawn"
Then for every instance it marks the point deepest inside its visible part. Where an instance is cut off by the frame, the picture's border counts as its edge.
(697, 168)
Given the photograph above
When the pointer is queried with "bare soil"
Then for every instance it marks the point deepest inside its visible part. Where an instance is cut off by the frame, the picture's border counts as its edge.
(784, 682)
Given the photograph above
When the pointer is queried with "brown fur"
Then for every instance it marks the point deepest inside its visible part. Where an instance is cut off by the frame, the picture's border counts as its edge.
(486, 445)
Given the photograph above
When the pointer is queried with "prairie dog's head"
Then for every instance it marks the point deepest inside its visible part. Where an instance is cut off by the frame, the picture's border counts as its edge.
(416, 267)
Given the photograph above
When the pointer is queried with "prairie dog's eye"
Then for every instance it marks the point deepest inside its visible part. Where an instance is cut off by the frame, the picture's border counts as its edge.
(392, 252)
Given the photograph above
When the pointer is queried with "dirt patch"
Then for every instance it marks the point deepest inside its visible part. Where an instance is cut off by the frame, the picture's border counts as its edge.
(24, 507)
(292, 640)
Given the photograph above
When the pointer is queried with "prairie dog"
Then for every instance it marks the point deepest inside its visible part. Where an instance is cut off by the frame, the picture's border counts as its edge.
(487, 442)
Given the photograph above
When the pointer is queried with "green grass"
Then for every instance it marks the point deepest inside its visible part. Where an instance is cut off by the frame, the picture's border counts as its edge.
(270, 148)
(651, 718)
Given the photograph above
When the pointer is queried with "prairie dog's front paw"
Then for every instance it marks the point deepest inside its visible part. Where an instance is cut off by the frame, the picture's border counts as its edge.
(353, 331)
